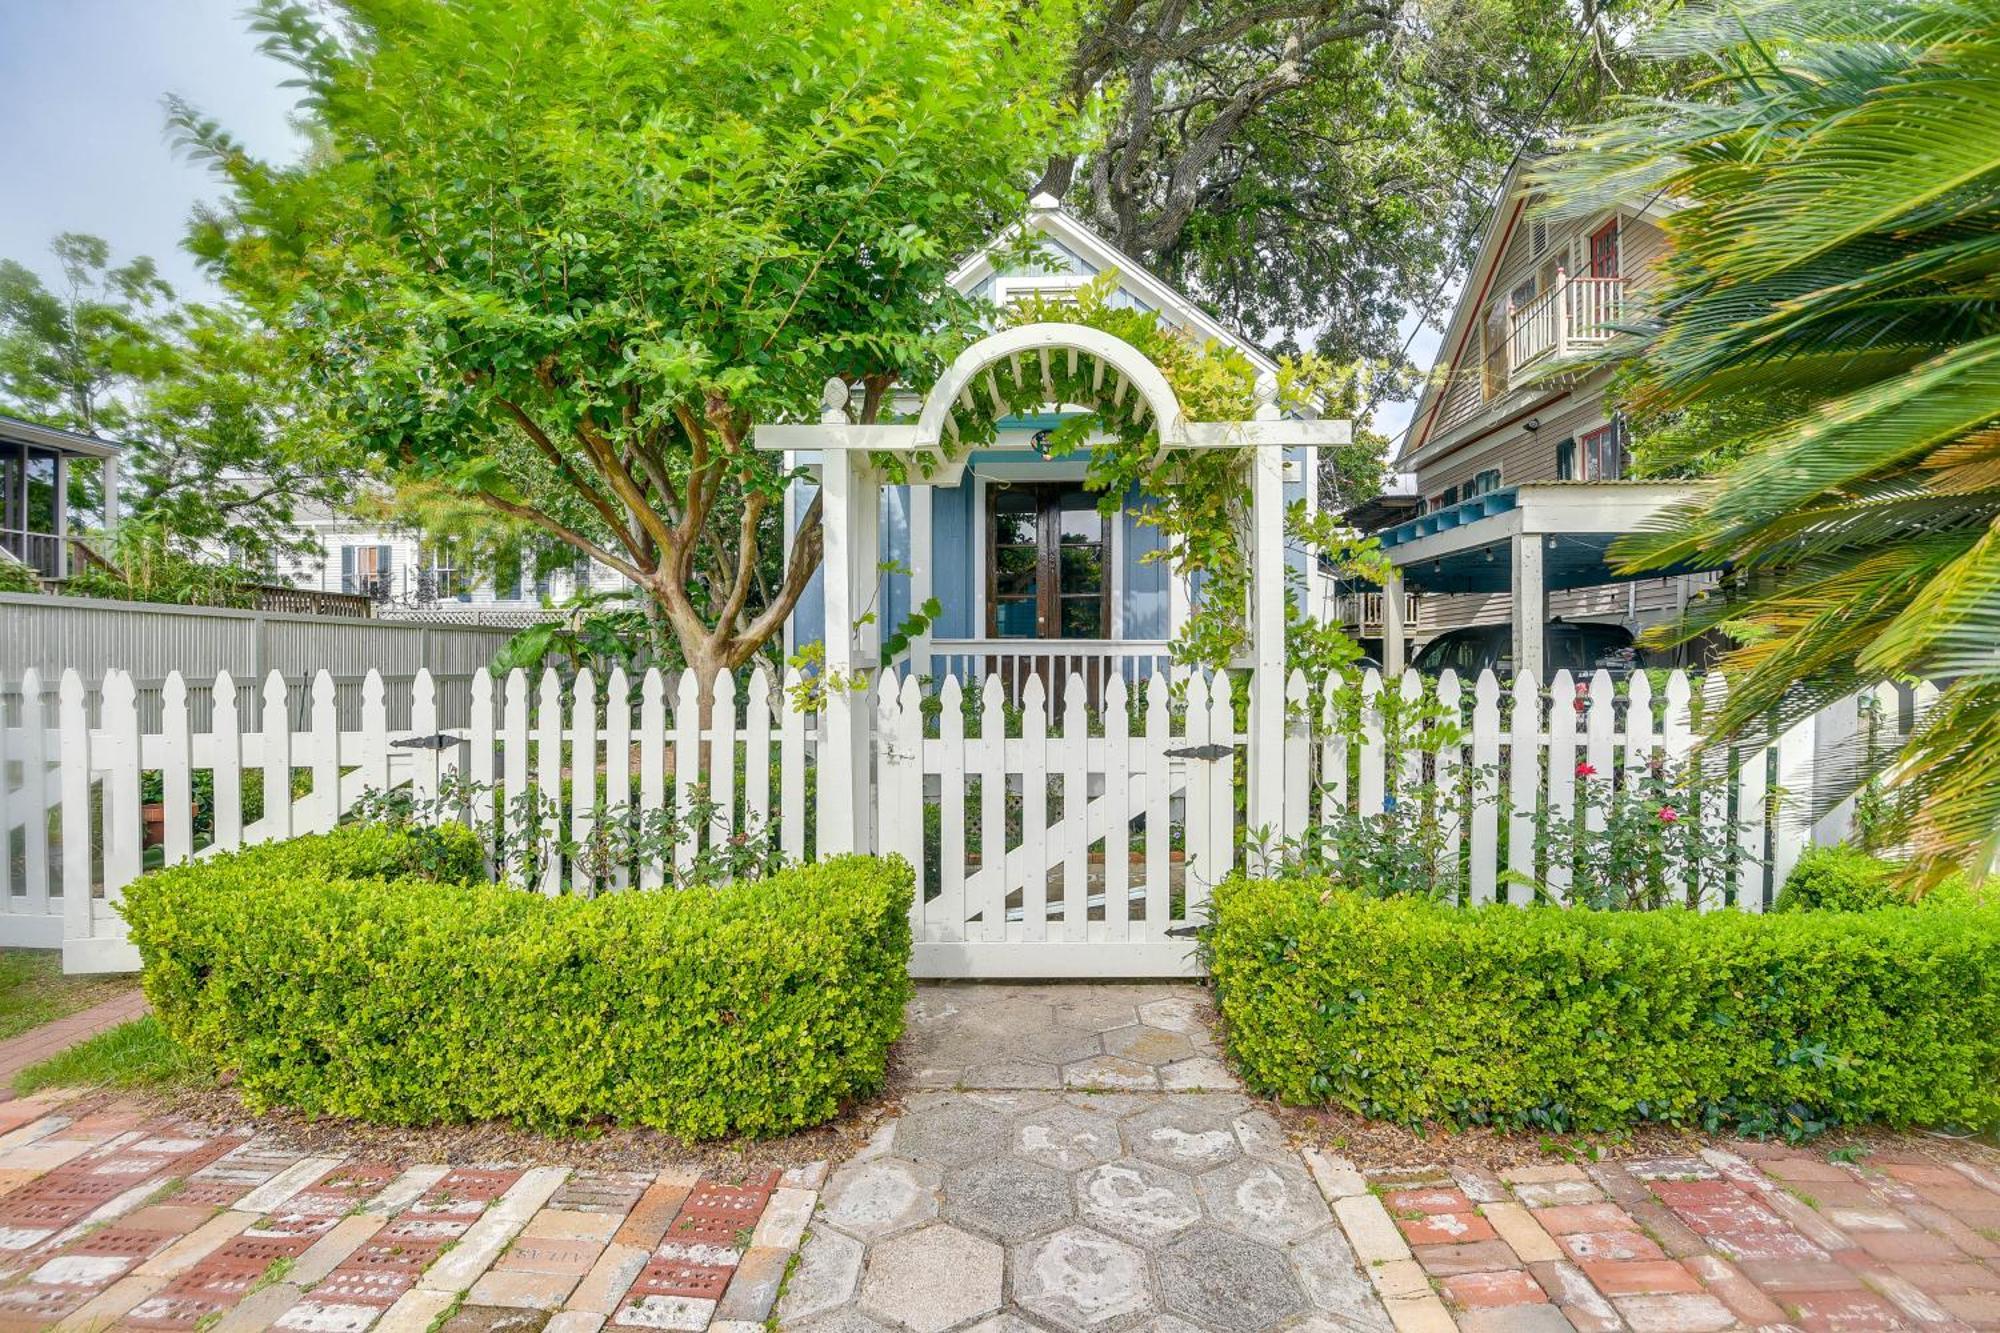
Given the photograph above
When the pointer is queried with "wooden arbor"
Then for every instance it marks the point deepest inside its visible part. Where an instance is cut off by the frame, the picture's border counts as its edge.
(1124, 380)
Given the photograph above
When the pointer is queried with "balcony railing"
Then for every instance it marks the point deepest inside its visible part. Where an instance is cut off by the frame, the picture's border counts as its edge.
(1363, 612)
(1573, 313)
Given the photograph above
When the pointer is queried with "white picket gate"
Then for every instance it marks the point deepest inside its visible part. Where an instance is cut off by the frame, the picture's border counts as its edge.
(1137, 796)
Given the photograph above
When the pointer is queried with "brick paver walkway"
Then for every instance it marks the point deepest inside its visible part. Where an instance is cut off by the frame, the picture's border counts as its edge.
(114, 1220)
(1750, 1235)
(1077, 1159)
(38, 1044)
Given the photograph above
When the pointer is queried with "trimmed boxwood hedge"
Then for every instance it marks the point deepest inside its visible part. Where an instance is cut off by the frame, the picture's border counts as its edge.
(373, 973)
(1559, 1019)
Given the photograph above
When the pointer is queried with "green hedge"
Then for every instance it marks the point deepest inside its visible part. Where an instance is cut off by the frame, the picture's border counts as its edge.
(348, 975)
(1847, 879)
(1415, 1011)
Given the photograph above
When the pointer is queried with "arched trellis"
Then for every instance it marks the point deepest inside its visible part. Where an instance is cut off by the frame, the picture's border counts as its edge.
(850, 501)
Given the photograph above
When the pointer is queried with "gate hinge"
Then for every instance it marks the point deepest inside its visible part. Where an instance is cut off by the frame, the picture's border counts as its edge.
(1207, 752)
(443, 740)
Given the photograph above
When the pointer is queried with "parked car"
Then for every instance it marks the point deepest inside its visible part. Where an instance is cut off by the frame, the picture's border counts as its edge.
(1579, 649)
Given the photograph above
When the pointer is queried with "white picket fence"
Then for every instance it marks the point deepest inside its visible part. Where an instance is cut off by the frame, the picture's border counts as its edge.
(1083, 844)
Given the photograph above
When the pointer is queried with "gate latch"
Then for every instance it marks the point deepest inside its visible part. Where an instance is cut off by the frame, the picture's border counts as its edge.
(1207, 752)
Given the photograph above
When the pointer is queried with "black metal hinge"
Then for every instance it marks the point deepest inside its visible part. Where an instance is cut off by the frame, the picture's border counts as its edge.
(444, 740)
(1208, 752)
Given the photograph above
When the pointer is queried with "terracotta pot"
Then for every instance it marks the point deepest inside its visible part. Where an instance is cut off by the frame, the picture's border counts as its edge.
(153, 815)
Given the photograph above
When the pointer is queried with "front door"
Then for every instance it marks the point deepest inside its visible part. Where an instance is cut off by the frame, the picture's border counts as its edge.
(1048, 575)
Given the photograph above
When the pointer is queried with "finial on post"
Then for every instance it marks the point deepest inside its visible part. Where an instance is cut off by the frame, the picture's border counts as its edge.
(833, 402)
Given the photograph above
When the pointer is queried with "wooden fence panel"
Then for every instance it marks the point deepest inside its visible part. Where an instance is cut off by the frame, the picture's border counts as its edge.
(1135, 808)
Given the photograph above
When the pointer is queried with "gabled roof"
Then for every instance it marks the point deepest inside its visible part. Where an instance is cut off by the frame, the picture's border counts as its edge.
(1465, 315)
(13, 430)
(1046, 218)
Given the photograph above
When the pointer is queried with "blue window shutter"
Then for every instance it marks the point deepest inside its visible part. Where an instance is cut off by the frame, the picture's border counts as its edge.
(347, 569)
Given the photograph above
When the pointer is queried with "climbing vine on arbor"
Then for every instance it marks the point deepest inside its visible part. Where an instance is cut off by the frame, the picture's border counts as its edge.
(1201, 497)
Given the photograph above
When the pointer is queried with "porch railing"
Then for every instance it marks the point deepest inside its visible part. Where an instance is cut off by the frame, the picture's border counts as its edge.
(1574, 312)
(39, 551)
(1014, 661)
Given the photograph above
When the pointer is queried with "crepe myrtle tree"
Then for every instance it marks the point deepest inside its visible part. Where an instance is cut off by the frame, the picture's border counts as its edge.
(558, 256)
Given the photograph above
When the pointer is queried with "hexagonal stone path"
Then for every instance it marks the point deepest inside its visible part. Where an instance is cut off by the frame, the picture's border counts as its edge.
(1079, 1160)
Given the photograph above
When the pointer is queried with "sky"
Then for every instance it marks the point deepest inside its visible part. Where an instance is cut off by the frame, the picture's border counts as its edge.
(83, 142)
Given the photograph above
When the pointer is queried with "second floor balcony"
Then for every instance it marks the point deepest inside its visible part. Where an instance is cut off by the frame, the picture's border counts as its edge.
(1573, 314)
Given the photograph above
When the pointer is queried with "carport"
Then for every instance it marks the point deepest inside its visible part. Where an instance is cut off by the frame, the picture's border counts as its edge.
(1525, 540)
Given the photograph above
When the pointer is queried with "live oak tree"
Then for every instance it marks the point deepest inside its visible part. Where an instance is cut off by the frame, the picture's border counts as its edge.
(1317, 169)
(558, 256)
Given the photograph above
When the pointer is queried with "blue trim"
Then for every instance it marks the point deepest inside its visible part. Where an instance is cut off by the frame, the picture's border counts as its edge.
(1452, 516)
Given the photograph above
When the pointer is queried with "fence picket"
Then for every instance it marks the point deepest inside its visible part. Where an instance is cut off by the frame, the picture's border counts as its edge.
(992, 902)
(583, 759)
(1370, 783)
(225, 748)
(1597, 790)
(424, 725)
(722, 758)
(1075, 826)
(1677, 739)
(1118, 804)
(1158, 781)
(119, 704)
(479, 767)
(1451, 774)
(1034, 810)
(953, 775)
(274, 753)
(1408, 778)
(1221, 792)
(794, 814)
(35, 794)
(907, 741)
(1332, 751)
(1524, 779)
(652, 766)
(176, 771)
(514, 766)
(1709, 801)
(325, 804)
(1752, 778)
(1297, 776)
(687, 768)
(618, 761)
(1485, 819)
(547, 814)
(1195, 826)
(372, 766)
(1562, 779)
(75, 752)
(757, 755)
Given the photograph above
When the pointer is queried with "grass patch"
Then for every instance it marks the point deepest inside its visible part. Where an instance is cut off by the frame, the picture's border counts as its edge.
(34, 991)
(131, 1055)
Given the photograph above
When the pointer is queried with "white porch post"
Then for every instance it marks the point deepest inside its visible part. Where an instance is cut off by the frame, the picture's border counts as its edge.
(110, 475)
(1267, 603)
(1393, 629)
(1531, 604)
(921, 583)
(844, 760)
